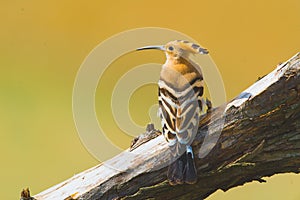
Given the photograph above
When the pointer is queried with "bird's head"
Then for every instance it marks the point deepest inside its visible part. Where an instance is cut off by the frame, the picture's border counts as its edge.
(178, 48)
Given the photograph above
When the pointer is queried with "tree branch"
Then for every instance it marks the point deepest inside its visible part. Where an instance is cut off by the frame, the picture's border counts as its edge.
(255, 135)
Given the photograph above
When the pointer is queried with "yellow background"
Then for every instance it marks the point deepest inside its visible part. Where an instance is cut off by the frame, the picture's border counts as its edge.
(43, 43)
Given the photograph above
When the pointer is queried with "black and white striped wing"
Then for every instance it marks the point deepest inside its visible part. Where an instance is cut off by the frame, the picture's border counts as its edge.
(179, 111)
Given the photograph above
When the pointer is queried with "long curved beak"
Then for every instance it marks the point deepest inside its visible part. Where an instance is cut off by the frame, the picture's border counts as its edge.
(159, 47)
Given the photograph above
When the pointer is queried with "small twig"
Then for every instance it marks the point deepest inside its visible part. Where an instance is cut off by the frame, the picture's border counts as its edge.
(25, 195)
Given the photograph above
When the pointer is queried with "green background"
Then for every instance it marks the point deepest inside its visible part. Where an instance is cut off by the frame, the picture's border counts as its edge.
(43, 44)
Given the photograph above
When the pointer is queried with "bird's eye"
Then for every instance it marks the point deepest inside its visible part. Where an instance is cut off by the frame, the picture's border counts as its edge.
(171, 48)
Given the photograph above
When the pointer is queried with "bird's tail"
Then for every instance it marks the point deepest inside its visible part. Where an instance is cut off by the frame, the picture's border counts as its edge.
(183, 169)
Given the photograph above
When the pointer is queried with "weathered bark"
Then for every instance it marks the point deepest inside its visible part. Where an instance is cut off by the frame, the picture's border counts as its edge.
(255, 135)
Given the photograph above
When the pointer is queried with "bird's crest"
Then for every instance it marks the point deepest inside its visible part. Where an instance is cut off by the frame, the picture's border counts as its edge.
(183, 46)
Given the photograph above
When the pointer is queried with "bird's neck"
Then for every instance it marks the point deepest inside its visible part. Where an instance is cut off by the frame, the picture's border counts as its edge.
(182, 65)
(172, 60)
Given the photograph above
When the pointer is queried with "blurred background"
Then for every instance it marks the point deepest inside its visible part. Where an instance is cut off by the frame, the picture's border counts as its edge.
(43, 44)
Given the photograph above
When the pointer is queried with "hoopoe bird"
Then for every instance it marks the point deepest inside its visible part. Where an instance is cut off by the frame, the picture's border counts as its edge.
(180, 103)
